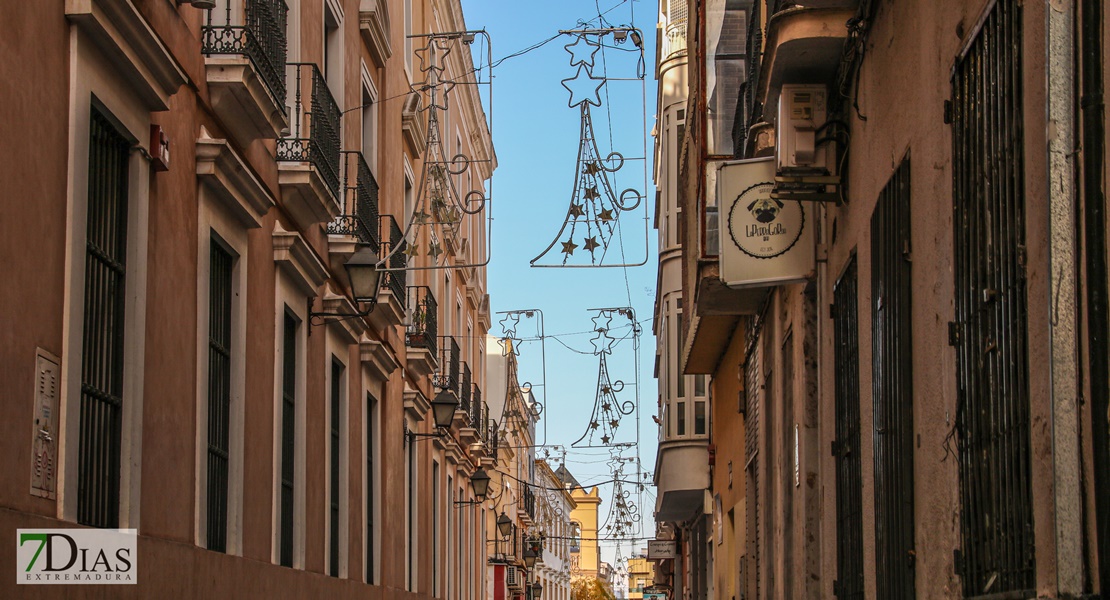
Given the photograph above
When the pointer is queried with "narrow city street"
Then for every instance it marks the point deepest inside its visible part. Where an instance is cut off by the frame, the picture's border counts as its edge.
(577, 300)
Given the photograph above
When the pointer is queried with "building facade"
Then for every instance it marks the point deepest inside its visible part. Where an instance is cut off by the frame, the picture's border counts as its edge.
(554, 506)
(193, 359)
(935, 378)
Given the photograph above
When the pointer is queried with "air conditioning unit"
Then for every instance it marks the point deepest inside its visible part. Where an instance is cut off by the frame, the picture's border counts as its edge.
(513, 578)
(802, 112)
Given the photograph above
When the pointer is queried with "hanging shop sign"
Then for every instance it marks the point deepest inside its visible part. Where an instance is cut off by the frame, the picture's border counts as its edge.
(766, 241)
(660, 549)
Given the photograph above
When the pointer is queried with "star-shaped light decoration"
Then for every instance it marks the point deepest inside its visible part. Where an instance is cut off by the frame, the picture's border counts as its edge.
(591, 193)
(605, 215)
(582, 51)
(606, 407)
(591, 243)
(592, 169)
(614, 423)
(420, 218)
(594, 425)
(412, 250)
(568, 247)
(584, 81)
(605, 439)
(434, 250)
(509, 324)
(602, 321)
(576, 210)
(603, 344)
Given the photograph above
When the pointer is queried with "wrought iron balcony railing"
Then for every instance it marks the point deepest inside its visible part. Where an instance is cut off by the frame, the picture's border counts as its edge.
(257, 32)
(315, 121)
(449, 364)
(478, 412)
(390, 236)
(465, 387)
(529, 500)
(359, 202)
(423, 326)
(493, 439)
(674, 40)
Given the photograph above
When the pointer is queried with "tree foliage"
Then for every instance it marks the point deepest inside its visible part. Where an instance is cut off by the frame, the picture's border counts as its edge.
(583, 587)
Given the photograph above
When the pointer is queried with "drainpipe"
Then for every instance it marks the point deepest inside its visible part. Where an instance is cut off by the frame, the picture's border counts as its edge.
(1094, 217)
(1063, 314)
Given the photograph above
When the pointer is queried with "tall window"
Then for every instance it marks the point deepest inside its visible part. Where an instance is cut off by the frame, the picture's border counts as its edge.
(288, 435)
(219, 391)
(371, 440)
(726, 31)
(337, 371)
(410, 515)
(436, 545)
(369, 130)
(408, 32)
(102, 347)
(333, 52)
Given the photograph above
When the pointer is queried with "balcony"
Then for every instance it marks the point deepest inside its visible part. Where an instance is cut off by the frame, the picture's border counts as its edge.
(682, 478)
(804, 44)
(359, 218)
(244, 58)
(392, 299)
(309, 159)
(674, 35)
(527, 508)
(450, 366)
(420, 335)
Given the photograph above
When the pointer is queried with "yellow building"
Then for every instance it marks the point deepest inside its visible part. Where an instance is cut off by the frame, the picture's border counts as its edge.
(584, 516)
(640, 575)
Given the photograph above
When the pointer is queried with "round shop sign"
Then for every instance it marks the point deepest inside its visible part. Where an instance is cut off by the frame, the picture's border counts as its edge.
(762, 226)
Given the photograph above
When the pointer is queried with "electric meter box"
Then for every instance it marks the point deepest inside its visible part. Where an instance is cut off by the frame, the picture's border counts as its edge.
(802, 111)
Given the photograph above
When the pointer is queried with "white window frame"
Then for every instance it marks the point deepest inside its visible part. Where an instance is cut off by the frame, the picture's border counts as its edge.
(94, 79)
(333, 47)
(290, 298)
(369, 110)
(337, 350)
(215, 221)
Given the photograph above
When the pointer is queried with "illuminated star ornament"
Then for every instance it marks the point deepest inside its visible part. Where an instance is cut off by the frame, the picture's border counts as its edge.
(447, 194)
(595, 205)
(605, 417)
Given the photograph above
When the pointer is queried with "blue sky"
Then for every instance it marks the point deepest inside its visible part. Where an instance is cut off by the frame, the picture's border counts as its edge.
(536, 137)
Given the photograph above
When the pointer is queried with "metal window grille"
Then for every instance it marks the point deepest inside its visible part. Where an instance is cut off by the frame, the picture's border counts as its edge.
(261, 38)
(990, 331)
(449, 364)
(395, 281)
(751, 442)
(465, 389)
(423, 319)
(846, 446)
(219, 392)
(892, 388)
(315, 135)
(370, 488)
(102, 358)
(333, 505)
(288, 434)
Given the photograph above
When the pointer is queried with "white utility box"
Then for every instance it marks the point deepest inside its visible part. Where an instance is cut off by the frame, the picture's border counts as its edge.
(802, 111)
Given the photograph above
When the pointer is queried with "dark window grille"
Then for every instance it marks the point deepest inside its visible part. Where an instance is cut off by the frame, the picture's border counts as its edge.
(990, 332)
(892, 388)
(396, 281)
(846, 446)
(315, 135)
(449, 364)
(360, 203)
(423, 322)
(370, 486)
(261, 37)
(336, 426)
(219, 392)
(478, 412)
(465, 389)
(102, 346)
(756, 524)
(288, 435)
